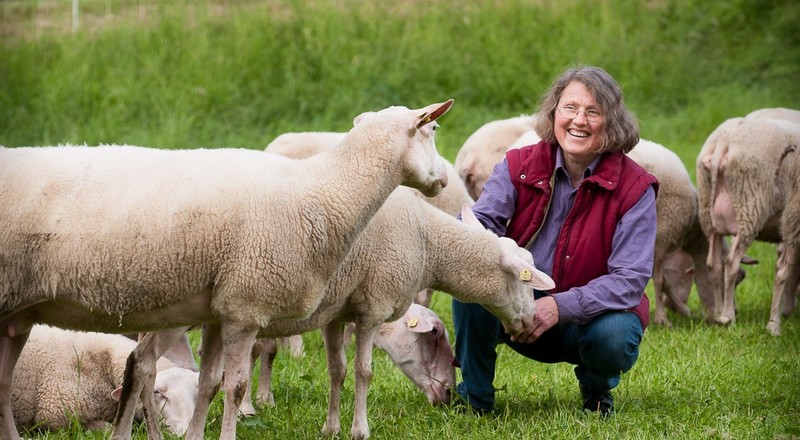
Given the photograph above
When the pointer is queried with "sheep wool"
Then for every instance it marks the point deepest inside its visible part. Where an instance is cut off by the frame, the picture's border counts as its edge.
(123, 239)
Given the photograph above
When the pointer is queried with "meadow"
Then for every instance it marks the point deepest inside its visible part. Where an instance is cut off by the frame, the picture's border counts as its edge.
(236, 73)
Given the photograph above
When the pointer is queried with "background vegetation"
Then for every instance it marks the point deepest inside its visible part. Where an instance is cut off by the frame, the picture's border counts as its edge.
(202, 73)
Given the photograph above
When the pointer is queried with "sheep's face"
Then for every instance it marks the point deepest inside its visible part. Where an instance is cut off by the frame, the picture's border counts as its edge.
(419, 346)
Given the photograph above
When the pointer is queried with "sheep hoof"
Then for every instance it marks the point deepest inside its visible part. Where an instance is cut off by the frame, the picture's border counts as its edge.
(774, 328)
(722, 320)
(662, 320)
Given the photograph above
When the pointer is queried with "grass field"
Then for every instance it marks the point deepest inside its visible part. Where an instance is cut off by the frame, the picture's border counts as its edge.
(185, 74)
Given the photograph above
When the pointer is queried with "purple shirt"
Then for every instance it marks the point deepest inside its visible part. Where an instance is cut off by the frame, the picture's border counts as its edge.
(630, 265)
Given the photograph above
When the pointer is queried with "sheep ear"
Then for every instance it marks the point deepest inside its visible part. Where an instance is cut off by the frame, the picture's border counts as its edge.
(358, 118)
(418, 324)
(526, 272)
(116, 394)
(417, 319)
(433, 111)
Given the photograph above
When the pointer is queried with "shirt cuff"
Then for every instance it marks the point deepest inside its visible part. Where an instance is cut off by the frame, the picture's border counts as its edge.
(569, 309)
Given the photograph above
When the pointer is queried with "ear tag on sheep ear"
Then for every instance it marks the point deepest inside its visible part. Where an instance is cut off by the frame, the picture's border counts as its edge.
(412, 323)
(525, 275)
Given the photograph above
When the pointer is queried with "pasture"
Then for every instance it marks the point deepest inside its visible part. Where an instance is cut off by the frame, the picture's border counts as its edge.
(236, 73)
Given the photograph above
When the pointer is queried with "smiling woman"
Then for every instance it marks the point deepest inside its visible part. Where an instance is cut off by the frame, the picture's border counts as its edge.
(587, 214)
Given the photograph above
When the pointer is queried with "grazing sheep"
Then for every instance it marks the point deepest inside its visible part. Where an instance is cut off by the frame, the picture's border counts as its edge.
(128, 239)
(679, 234)
(487, 146)
(63, 374)
(417, 343)
(408, 245)
(787, 275)
(738, 195)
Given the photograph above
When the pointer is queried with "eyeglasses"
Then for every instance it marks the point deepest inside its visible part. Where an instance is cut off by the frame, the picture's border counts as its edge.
(569, 111)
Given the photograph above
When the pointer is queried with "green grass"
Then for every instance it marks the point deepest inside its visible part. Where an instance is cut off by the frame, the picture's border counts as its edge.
(184, 74)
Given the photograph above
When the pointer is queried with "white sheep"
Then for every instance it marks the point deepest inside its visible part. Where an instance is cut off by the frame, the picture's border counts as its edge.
(300, 145)
(787, 274)
(124, 239)
(408, 245)
(63, 374)
(738, 195)
(417, 344)
(486, 146)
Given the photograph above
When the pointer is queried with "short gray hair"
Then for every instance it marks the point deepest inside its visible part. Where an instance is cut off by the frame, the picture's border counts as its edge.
(620, 130)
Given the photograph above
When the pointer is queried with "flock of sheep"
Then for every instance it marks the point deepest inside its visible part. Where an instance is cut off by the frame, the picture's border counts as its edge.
(341, 232)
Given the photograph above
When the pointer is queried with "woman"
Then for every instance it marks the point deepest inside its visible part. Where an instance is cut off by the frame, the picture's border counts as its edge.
(587, 213)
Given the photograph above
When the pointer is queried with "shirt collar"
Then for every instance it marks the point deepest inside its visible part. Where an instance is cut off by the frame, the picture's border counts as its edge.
(586, 173)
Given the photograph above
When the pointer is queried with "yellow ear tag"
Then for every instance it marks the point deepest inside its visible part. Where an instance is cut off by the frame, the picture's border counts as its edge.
(412, 323)
(525, 275)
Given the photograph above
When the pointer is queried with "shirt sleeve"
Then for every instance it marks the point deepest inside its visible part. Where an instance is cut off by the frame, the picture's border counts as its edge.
(630, 267)
(497, 202)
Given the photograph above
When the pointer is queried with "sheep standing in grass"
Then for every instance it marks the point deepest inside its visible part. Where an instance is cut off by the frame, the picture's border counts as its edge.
(486, 146)
(738, 195)
(63, 374)
(679, 233)
(300, 145)
(787, 275)
(409, 245)
(129, 239)
(417, 344)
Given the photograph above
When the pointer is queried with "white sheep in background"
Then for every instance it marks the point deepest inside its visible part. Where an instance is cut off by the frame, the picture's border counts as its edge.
(125, 239)
(409, 245)
(787, 274)
(486, 146)
(417, 344)
(738, 195)
(63, 374)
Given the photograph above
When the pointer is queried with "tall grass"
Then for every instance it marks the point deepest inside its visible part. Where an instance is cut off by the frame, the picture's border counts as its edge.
(184, 74)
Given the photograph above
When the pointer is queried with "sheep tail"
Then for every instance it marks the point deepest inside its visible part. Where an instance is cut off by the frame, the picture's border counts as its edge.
(786, 151)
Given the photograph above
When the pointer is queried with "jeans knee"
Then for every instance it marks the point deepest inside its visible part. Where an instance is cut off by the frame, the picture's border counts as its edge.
(613, 343)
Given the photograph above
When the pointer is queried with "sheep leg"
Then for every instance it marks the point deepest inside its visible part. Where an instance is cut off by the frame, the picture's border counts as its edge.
(162, 342)
(424, 296)
(210, 377)
(269, 349)
(731, 273)
(715, 269)
(10, 349)
(658, 286)
(333, 337)
(365, 337)
(786, 276)
(236, 344)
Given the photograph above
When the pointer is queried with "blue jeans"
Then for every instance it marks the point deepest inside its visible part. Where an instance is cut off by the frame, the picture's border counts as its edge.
(602, 350)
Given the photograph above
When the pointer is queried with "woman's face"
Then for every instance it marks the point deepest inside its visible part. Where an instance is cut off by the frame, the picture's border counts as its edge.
(578, 137)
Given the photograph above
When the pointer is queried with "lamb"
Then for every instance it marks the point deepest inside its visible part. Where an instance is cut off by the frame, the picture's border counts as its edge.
(62, 374)
(124, 239)
(486, 146)
(408, 245)
(738, 195)
(417, 343)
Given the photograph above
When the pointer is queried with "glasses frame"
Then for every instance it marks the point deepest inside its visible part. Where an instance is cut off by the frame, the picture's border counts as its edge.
(597, 117)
